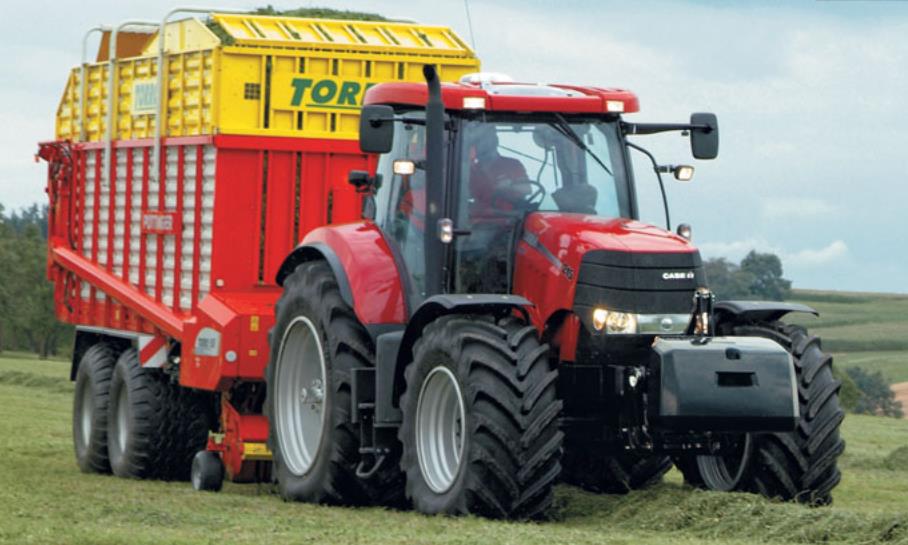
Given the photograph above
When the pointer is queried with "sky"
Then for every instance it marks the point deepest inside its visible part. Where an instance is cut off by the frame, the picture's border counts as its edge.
(811, 97)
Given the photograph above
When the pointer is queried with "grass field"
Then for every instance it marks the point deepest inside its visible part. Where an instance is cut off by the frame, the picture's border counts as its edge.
(45, 499)
(861, 329)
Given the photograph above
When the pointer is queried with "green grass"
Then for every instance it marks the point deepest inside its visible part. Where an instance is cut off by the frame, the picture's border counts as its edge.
(45, 499)
(868, 330)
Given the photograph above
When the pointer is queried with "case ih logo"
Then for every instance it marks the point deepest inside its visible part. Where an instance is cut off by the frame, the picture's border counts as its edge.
(678, 275)
(160, 223)
(328, 93)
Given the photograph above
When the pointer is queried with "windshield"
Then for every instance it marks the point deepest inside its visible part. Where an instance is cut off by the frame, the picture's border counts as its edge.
(522, 164)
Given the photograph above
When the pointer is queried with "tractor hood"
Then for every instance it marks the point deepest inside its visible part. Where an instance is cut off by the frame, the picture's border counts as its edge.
(569, 236)
(579, 262)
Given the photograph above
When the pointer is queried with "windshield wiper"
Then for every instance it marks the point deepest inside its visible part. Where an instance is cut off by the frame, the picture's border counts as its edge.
(565, 128)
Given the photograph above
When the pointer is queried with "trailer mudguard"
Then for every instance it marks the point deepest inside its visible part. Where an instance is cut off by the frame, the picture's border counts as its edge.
(757, 311)
(364, 267)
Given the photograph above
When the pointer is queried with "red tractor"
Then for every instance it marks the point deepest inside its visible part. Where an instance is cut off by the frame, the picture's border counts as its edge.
(500, 320)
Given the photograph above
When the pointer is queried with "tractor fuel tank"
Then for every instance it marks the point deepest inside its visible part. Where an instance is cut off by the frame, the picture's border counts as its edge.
(722, 384)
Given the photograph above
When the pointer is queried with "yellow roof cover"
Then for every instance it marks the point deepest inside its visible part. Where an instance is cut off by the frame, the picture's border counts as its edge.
(331, 34)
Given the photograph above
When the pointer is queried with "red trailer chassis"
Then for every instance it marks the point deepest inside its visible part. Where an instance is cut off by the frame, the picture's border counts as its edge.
(184, 269)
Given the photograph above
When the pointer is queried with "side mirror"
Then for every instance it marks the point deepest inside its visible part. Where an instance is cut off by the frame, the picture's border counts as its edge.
(363, 183)
(704, 142)
(376, 128)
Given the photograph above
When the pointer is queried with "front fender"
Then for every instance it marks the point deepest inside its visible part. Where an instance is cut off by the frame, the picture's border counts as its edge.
(757, 311)
(363, 266)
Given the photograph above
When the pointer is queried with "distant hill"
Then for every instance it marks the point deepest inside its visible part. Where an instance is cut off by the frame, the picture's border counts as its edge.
(868, 330)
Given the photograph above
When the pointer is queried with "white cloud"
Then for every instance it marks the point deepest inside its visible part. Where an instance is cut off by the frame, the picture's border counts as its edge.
(835, 251)
(807, 258)
(796, 207)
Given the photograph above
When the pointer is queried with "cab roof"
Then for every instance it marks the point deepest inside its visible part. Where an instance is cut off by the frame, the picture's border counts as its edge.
(509, 97)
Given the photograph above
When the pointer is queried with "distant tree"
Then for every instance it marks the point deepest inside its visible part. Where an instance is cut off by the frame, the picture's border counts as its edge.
(727, 280)
(876, 396)
(759, 276)
(27, 320)
(6, 276)
(766, 272)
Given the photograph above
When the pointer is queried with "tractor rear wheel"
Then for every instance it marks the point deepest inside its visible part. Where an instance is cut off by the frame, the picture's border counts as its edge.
(795, 466)
(480, 420)
(155, 427)
(90, 408)
(316, 343)
(611, 474)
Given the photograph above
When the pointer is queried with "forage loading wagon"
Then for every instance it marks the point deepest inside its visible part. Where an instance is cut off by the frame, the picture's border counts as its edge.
(167, 238)
(476, 315)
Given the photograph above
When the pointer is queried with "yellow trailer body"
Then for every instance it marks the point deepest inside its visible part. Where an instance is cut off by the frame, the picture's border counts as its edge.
(258, 75)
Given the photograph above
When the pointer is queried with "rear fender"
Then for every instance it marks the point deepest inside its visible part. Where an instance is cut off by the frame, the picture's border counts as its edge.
(363, 265)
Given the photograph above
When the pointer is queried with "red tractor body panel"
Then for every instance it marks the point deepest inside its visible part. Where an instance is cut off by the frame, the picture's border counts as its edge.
(371, 271)
(548, 256)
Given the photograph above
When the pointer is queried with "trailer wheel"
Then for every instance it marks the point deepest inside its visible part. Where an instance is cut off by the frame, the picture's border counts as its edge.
(316, 343)
(480, 420)
(796, 466)
(207, 471)
(155, 427)
(90, 408)
(611, 474)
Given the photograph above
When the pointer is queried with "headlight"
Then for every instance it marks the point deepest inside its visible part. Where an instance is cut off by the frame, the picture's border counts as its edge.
(614, 322)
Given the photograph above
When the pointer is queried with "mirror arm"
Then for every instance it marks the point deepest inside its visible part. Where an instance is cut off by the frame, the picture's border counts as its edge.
(377, 121)
(656, 169)
(653, 128)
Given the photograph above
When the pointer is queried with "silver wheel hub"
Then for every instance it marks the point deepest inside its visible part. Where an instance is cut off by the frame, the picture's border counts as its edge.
(87, 409)
(300, 395)
(122, 420)
(440, 429)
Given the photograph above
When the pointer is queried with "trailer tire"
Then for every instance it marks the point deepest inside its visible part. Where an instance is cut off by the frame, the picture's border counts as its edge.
(795, 466)
(489, 387)
(155, 426)
(611, 474)
(308, 466)
(207, 471)
(90, 400)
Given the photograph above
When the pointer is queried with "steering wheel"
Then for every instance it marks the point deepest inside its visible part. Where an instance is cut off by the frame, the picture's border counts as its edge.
(524, 203)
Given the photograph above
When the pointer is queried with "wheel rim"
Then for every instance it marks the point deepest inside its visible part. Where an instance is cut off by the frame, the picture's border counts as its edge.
(723, 472)
(195, 475)
(440, 429)
(301, 395)
(122, 420)
(87, 414)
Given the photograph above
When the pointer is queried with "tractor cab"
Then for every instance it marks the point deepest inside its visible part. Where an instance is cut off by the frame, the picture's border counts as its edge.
(507, 150)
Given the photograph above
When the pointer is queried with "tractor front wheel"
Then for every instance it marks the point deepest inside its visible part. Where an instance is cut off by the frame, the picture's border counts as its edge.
(795, 466)
(480, 420)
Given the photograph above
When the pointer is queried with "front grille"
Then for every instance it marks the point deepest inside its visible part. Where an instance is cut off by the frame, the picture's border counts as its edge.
(642, 283)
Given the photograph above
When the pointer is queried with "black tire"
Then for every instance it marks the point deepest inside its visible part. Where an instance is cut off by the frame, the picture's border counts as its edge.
(512, 442)
(726, 472)
(90, 408)
(801, 465)
(163, 425)
(207, 471)
(311, 291)
(593, 472)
